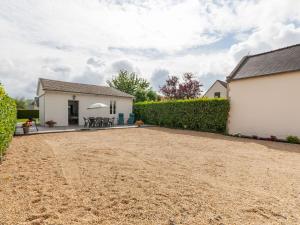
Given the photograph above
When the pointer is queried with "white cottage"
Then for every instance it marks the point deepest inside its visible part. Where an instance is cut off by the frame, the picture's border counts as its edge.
(67, 103)
(217, 90)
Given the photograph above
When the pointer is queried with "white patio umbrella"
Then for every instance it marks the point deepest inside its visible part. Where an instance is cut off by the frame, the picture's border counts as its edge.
(97, 106)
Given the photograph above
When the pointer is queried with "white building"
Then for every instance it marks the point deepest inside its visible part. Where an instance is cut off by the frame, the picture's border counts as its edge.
(264, 92)
(217, 90)
(67, 103)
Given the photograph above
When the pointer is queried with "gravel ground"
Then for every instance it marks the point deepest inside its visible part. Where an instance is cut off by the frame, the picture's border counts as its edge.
(149, 176)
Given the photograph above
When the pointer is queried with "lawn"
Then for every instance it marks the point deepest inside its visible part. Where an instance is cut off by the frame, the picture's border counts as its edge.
(24, 120)
(149, 176)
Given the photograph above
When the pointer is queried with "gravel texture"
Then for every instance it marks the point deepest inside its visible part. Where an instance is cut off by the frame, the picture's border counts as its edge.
(152, 176)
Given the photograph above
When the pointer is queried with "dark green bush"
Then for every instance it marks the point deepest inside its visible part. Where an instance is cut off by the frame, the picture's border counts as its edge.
(197, 114)
(293, 139)
(7, 120)
(25, 114)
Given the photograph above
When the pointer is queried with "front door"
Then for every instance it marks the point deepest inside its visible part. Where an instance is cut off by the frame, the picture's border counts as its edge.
(73, 112)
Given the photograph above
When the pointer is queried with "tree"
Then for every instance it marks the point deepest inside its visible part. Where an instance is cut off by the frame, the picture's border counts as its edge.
(189, 88)
(152, 95)
(170, 89)
(128, 82)
(131, 84)
(21, 103)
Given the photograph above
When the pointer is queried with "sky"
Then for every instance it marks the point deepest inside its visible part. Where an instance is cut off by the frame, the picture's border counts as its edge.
(89, 41)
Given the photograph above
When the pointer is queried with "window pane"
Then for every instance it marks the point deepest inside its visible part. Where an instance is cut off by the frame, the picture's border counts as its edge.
(110, 108)
(115, 105)
(217, 94)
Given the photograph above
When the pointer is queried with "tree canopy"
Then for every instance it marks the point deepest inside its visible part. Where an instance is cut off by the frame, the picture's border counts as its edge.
(189, 88)
(132, 84)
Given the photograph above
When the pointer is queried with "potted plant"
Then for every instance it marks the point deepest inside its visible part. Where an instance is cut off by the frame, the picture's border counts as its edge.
(50, 123)
(273, 138)
(26, 127)
(139, 123)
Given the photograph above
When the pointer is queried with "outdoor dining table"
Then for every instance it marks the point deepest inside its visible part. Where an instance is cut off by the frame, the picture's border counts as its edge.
(99, 122)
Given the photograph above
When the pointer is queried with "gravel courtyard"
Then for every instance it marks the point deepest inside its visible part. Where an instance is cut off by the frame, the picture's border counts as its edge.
(152, 176)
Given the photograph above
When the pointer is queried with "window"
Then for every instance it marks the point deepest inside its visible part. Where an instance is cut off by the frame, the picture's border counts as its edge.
(112, 107)
(217, 94)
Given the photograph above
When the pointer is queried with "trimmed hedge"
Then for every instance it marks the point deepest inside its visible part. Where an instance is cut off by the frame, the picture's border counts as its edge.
(26, 113)
(197, 114)
(8, 114)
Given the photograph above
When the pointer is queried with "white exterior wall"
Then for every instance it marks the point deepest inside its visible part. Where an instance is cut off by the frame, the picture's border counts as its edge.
(56, 106)
(265, 106)
(216, 87)
(42, 109)
(41, 95)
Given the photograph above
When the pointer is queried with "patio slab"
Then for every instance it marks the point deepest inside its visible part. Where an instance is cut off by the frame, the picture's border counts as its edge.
(60, 129)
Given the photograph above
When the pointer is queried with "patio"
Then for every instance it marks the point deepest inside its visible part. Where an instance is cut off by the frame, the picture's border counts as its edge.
(59, 129)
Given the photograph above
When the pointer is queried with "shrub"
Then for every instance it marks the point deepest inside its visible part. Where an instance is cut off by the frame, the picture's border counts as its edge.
(25, 114)
(196, 114)
(293, 139)
(7, 120)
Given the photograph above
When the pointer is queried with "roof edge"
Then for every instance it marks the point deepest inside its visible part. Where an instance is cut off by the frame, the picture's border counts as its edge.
(236, 69)
(265, 75)
(275, 50)
(224, 83)
(244, 59)
(212, 86)
(121, 96)
(40, 81)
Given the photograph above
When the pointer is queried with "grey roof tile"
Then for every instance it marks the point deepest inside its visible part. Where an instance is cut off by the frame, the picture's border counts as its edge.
(55, 85)
(223, 83)
(277, 61)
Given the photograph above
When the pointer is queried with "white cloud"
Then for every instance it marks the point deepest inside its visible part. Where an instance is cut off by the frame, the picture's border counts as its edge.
(89, 41)
(158, 78)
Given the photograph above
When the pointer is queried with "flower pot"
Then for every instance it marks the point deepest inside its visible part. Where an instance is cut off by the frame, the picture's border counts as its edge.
(50, 123)
(26, 130)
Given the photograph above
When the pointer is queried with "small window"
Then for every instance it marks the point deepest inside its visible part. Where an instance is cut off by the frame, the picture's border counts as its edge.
(112, 107)
(217, 95)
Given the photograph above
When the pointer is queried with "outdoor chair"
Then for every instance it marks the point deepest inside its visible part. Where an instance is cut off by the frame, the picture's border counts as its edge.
(92, 121)
(111, 121)
(99, 122)
(86, 122)
(121, 119)
(130, 120)
(105, 122)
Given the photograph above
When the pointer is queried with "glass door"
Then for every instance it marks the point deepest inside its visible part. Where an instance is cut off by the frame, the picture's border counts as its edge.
(73, 112)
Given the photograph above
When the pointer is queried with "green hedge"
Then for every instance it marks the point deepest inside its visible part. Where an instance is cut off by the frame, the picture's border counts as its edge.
(197, 114)
(25, 114)
(7, 120)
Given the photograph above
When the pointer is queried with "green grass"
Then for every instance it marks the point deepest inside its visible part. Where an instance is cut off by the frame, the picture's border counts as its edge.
(24, 120)
(21, 120)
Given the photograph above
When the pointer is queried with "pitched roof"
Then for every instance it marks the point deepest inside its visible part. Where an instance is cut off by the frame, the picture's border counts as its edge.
(223, 83)
(277, 61)
(55, 85)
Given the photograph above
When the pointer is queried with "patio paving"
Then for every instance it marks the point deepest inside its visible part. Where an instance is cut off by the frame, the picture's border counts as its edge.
(59, 129)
